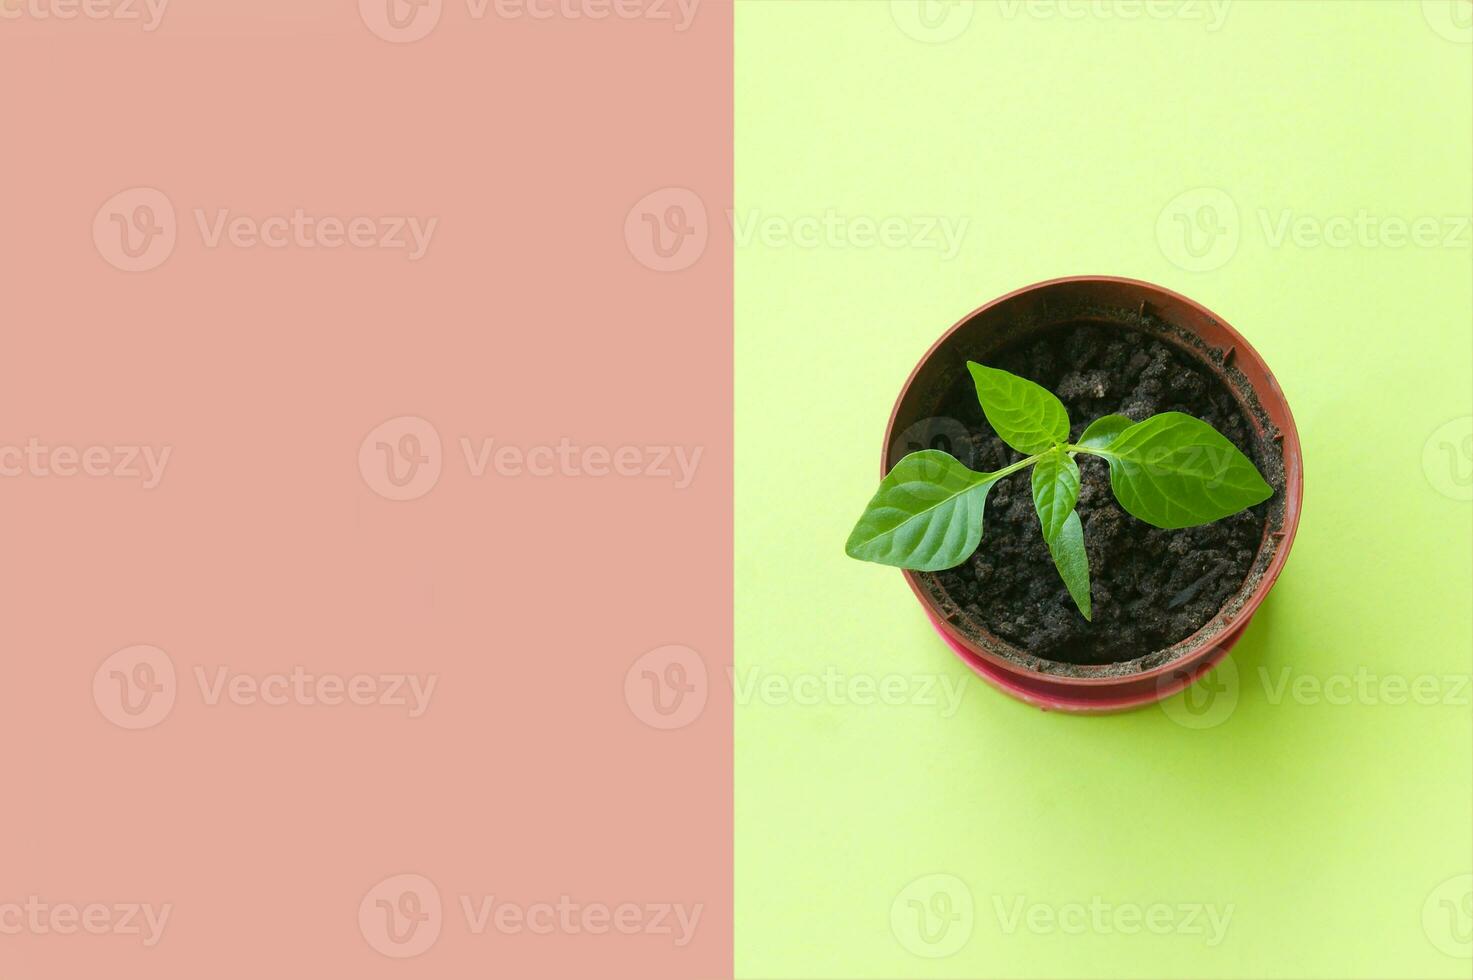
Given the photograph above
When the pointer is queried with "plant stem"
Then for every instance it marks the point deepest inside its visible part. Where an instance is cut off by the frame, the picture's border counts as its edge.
(1012, 468)
(1093, 451)
(1015, 467)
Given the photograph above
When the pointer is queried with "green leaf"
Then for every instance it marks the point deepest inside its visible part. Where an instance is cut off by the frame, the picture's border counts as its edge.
(927, 514)
(1103, 430)
(1070, 559)
(1025, 416)
(1055, 489)
(1175, 471)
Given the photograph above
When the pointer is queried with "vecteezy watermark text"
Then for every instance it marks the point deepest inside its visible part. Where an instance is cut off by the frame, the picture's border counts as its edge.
(1212, 700)
(679, 13)
(667, 688)
(939, 21)
(566, 458)
(1363, 230)
(402, 459)
(834, 230)
(403, 916)
(1366, 686)
(569, 917)
(147, 13)
(299, 229)
(1102, 917)
(1213, 13)
(137, 229)
(1200, 229)
(405, 21)
(38, 460)
(37, 917)
(835, 687)
(301, 687)
(137, 687)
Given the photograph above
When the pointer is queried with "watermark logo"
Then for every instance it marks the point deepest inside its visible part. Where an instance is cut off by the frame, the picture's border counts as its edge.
(135, 230)
(667, 687)
(1199, 229)
(667, 229)
(401, 916)
(1451, 19)
(939, 432)
(1207, 703)
(400, 21)
(1447, 459)
(401, 458)
(933, 916)
(136, 687)
(1447, 917)
(932, 21)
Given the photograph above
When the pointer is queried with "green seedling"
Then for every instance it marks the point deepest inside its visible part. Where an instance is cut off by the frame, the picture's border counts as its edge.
(1171, 470)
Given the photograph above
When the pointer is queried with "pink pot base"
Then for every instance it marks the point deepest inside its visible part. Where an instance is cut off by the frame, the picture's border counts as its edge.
(1125, 694)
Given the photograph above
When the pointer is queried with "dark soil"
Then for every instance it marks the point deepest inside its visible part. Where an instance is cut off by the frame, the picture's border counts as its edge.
(1150, 587)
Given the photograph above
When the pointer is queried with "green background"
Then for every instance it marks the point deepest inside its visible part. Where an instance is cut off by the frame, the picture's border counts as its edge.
(1062, 135)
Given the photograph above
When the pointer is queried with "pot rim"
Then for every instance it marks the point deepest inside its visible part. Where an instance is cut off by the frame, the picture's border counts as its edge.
(1190, 646)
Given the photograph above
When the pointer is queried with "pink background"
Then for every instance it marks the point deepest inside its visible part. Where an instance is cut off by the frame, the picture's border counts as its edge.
(533, 773)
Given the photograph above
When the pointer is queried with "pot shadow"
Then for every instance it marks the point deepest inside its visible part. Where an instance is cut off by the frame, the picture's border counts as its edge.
(1220, 724)
(1220, 754)
(1226, 755)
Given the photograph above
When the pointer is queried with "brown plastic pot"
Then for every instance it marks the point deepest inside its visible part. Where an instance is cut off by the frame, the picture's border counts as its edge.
(1171, 317)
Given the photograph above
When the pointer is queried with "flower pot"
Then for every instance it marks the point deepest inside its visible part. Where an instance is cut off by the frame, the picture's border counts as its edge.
(1204, 337)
